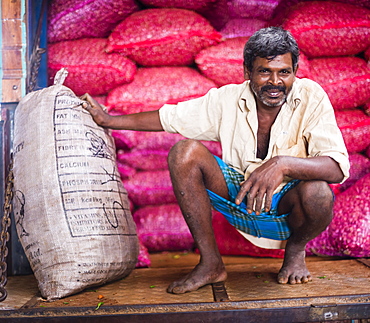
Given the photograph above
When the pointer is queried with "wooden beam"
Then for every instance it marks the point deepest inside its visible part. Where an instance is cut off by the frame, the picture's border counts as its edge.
(11, 51)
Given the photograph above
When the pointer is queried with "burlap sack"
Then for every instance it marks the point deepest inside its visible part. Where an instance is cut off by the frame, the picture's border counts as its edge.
(71, 209)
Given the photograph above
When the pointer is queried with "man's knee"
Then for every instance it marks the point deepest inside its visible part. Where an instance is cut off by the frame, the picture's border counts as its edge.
(316, 200)
(316, 192)
(185, 151)
(312, 209)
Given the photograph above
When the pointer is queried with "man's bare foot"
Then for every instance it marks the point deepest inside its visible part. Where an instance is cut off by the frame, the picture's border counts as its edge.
(200, 276)
(294, 270)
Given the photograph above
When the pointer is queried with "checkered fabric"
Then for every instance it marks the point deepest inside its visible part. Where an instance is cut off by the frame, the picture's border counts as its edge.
(267, 224)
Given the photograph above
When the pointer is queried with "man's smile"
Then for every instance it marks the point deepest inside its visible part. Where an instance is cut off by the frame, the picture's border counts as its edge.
(273, 91)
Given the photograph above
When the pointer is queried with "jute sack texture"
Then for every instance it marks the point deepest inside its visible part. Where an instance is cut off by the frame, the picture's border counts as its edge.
(71, 209)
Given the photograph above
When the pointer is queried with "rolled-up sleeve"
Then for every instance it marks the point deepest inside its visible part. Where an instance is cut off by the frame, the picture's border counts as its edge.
(324, 136)
(195, 119)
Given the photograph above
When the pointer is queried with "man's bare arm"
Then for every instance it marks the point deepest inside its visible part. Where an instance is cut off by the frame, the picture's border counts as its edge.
(144, 121)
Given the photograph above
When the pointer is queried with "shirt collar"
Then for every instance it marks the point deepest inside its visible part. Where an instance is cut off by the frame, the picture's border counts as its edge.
(248, 102)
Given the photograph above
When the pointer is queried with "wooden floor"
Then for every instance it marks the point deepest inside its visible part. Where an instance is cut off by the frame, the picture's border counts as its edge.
(251, 283)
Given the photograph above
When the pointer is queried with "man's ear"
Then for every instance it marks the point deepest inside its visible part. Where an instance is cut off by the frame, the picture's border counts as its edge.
(296, 69)
(246, 73)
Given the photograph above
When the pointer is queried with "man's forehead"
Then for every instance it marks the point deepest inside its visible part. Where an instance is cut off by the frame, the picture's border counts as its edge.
(278, 60)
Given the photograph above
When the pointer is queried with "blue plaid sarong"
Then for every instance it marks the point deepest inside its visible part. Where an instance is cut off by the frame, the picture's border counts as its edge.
(267, 224)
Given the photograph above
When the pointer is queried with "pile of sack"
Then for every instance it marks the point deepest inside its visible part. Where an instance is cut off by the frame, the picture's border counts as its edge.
(135, 56)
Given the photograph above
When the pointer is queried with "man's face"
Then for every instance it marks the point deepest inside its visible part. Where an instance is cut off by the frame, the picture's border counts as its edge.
(272, 80)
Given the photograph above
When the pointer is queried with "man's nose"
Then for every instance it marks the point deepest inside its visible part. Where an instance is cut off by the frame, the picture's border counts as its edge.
(274, 79)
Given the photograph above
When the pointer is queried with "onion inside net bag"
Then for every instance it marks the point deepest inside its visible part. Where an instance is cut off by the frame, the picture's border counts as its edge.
(71, 209)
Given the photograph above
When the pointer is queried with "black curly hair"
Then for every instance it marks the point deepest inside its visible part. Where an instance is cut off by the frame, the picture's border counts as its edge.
(268, 43)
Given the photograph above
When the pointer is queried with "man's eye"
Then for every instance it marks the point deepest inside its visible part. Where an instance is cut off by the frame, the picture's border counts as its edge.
(285, 72)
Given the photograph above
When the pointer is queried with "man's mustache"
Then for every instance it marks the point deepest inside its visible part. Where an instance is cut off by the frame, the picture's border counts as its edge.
(279, 88)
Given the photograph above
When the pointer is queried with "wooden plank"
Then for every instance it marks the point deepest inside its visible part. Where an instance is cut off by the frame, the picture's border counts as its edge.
(11, 9)
(12, 63)
(12, 91)
(12, 33)
(11, 51)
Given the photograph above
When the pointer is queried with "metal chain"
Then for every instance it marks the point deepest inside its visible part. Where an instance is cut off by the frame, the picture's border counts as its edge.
(5, 235)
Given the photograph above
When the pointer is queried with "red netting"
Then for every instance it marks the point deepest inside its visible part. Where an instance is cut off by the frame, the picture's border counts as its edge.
(157, 37)
(242, 27)
(223, 63)
(155, 86)
(163, 228)
(304, 67)
(124, 170)
(196, 5)
(360, 166)
(90, 68)
(345, 80)
(74, 19)
(144, 159)
(262, 9)
(126, 139)
(367, 55)
(355, 127)
(217, 14)
(155, 141)
(143, 259)
(349, 233)
(150, 188)
(328, 28)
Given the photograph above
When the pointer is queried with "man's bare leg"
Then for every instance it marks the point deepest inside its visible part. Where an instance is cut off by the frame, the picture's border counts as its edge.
(311, 203)
(193, 169)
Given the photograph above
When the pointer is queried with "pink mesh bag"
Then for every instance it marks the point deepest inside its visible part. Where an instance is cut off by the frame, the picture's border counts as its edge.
(150, 188)
(163, 37)
(196, 5)
(223, 63)
(125, 170)
(360, 166)
(90, 68)
(217, 14)
(262, 9)
(329, 28)
(367, 55)
(144, 159)
(74, 19)
(146, 141)
(155, 86)
(348, 235)
(163, 228)
(355, 127)
(345, 80)
(127, 139)
(242, 27)
(304, 67)
(143, 259)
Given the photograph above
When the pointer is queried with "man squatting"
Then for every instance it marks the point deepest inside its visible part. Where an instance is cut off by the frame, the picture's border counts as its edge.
(281, 146)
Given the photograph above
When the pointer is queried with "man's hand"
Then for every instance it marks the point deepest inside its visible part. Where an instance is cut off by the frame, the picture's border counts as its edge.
(261, 185)
(95, 109)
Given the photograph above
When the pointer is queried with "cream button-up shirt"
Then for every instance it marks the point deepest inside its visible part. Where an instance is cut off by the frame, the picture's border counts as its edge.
(305, 126)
